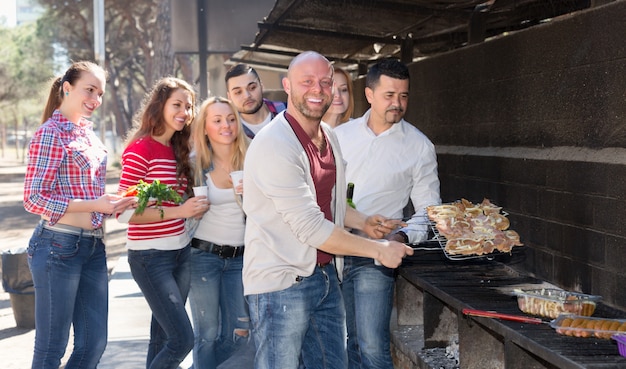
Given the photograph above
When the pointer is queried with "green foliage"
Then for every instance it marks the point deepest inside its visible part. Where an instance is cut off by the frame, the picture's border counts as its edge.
(26, 66)
(137, 50)
(155, 191)
(134, 56)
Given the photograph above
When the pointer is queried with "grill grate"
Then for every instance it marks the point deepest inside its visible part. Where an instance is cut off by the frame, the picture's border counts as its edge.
(437, 242)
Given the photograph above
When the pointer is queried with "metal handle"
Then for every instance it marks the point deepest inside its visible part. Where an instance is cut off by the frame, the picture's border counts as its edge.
(493, 314)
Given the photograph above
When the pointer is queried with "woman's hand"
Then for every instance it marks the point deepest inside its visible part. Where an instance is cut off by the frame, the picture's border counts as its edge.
(114, 204)
(195, 207)
(237, 187)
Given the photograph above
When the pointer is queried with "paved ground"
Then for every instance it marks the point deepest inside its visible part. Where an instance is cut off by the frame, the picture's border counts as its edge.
(129, 318)
(129, 315)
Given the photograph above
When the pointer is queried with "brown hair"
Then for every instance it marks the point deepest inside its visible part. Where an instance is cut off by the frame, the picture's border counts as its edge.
(202, 145)
(72, 74)
(149, 121)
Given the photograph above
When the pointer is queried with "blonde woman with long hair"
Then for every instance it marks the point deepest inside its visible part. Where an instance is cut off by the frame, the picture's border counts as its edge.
(219, 311)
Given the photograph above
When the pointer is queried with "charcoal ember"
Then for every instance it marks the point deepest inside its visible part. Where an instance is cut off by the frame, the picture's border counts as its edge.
(436, 358)
(452, 351)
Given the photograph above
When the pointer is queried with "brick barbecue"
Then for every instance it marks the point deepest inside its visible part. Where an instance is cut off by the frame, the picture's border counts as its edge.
(432, 291)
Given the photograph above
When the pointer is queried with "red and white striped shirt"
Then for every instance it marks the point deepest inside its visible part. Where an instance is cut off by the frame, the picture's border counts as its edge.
(148, 160)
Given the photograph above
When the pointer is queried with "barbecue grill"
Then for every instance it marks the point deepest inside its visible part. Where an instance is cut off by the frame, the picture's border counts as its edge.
(484, 284)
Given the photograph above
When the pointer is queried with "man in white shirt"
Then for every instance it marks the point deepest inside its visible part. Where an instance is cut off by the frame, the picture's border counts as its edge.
(245, 90)
(390, 162)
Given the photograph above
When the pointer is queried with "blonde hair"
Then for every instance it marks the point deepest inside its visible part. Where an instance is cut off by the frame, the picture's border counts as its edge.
(202, 144)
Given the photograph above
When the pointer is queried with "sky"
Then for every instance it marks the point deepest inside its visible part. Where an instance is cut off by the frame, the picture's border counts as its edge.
(7, 13)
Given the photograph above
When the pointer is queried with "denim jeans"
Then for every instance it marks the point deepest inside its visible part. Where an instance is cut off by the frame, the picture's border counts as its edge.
(368, 294)
(305, 320)
(163, 277)
(216, 290)
(71, 288)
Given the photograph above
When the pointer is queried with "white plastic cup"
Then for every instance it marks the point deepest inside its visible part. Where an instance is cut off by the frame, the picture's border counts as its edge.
(201, 191)
(237, 177)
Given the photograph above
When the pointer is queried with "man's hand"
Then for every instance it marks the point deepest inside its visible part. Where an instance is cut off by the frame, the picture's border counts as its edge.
(378, 226)
(398, 236)
(392, 253)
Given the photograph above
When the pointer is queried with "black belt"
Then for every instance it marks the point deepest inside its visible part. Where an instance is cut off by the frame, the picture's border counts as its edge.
(223, 251)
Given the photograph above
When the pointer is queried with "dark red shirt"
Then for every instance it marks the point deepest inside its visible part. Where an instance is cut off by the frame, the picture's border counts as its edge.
(323, 171)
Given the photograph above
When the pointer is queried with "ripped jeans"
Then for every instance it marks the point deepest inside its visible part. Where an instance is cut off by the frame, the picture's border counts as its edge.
(220, 313)
(163, 277)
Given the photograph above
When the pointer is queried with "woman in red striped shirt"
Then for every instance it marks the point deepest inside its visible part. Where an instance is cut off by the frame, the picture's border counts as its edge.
(158, 149)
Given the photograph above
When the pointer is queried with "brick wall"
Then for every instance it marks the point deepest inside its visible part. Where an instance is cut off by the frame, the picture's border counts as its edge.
(536, 121)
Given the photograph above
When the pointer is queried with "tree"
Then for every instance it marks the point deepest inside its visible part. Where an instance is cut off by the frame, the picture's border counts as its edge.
(25, 69)
(138, 48)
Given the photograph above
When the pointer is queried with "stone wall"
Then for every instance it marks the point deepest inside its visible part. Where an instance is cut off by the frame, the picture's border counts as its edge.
(535, 121)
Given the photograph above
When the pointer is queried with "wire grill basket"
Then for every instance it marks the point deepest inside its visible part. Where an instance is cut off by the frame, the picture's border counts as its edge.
(440, 243)
(485, 236)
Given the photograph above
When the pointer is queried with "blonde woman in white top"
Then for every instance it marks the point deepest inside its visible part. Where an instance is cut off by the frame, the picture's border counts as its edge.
(219, 311)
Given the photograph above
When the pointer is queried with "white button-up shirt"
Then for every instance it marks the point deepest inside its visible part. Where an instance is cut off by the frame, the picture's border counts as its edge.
(388, 170)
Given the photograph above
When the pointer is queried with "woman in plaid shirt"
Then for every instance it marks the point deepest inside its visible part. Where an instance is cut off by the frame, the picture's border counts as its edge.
(64, 183)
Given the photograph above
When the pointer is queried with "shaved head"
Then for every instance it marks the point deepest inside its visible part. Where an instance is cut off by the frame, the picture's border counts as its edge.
(308, 85)
(308, 56)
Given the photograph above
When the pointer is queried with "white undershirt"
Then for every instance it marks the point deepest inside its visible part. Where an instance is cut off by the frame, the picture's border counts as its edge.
(224, 223)
(255, 128)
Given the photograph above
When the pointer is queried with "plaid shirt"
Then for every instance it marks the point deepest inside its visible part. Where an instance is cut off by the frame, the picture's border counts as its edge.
(65, 161)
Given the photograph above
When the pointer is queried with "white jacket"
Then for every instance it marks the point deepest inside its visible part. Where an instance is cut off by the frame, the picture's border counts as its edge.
(284, 225)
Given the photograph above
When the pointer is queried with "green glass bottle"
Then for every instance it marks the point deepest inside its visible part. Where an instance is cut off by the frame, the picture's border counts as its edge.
(350, 194)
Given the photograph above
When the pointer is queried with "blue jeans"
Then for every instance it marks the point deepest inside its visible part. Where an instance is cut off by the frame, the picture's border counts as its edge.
(217, 290)
(163, 277)
(305, 320)
(368, 295)
(71, 288)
